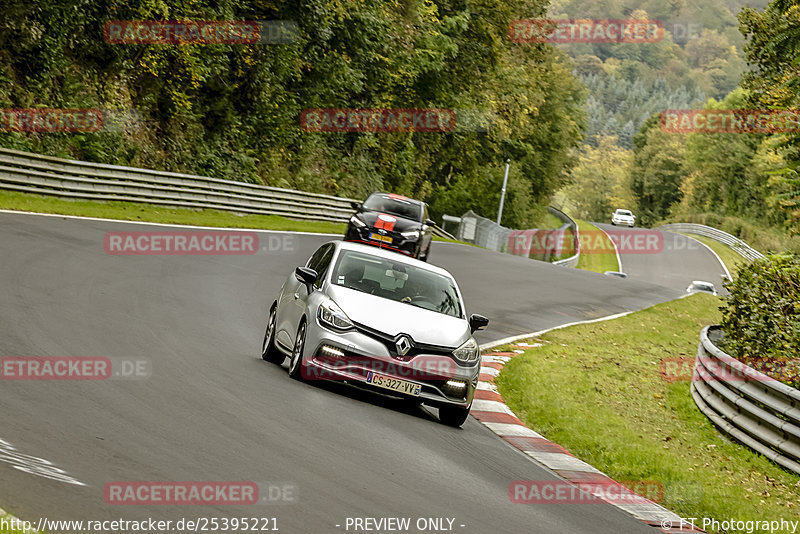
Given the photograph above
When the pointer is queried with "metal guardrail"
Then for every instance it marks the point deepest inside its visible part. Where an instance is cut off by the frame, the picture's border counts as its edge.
(734, 242)
(572, 261)
(745, 404)
(488, 234)
(47, 175)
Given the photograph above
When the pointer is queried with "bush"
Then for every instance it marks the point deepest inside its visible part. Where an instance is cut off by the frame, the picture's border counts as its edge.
(761, 320)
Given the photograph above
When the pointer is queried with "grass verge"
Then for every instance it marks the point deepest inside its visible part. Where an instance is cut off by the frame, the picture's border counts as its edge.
(594, 261)
(732, 259)
(597, 390)
(6, 522)
(134, 211)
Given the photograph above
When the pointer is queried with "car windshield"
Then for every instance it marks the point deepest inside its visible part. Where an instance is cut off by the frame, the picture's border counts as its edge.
(702, 286)
(394, 205)
(397, 281)
(623, 212)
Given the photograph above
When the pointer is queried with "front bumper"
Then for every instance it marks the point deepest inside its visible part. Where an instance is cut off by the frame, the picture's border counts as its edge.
(393, 240)
(437, 375)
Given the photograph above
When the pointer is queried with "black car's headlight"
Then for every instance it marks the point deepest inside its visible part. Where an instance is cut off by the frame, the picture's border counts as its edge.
(332, 315)
(357, 222)
(468, 352)
(412, 235)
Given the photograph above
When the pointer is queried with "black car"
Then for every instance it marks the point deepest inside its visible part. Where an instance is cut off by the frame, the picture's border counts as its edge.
(392, 221)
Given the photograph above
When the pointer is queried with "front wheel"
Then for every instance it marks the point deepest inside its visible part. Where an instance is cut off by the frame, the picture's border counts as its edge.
(268, 350)
(453, 415)
(427, 254)
(296, 364)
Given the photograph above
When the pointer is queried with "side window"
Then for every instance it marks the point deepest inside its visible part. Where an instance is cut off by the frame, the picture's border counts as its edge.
(316, 258)
(425, 215)
(323, 266)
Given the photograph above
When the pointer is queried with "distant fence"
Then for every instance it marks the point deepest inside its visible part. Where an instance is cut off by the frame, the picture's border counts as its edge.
(734, 242)
(540, 244)
(46, 175)
(745, 404)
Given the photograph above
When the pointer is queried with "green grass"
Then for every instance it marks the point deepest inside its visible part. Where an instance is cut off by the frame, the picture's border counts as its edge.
(550, 221)
(596, 389)
(134, 211)
(732, 259)
(3, 528)
(591, 261)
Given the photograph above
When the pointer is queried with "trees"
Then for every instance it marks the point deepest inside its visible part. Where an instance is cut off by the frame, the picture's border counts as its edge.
(600, 180)
(657, 172)
(774, 49)
(232, 110)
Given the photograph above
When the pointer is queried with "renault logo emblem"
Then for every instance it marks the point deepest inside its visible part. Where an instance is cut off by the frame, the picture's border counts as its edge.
(403, 345)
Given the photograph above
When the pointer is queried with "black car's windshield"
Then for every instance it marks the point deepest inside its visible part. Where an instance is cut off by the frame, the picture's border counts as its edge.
(394, 205)
(397, 281)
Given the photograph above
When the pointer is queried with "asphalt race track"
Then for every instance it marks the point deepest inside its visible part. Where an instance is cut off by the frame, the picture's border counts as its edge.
(679, 261)
(212, 410)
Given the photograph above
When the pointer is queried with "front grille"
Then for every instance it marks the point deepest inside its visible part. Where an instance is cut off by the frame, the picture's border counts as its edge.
(417, 349)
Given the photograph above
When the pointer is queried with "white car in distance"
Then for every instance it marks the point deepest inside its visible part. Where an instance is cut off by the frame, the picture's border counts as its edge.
(623, 217)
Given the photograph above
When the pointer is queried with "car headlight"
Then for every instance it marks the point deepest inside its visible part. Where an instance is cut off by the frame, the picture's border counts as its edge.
(357, 222)
(468, 352)
(410, 235)
(332, 315)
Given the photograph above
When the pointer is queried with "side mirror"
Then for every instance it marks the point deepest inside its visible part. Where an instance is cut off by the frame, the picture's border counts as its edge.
(355, 205)
(430, 222)
(306, 276)
(477, 322)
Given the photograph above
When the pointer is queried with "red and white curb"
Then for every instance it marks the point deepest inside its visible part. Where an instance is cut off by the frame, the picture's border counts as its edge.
(489, 408)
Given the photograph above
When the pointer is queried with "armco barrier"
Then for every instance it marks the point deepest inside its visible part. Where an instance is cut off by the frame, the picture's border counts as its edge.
(488, 234)
(750, 407)
(734, 242)
(46, 175)
(572, 261)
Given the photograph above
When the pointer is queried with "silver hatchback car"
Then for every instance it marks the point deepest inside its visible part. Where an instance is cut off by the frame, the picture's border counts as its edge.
(377, 320)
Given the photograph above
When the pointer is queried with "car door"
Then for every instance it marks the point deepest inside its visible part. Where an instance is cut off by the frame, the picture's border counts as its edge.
(293, 301)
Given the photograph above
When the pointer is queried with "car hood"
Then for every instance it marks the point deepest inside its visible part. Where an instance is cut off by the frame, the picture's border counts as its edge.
(392, 318)
(399, 225)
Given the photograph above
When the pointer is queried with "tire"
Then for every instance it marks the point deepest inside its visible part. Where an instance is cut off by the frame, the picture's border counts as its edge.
(296, 364)
(268, 351)
(453, 415)
(427, 254)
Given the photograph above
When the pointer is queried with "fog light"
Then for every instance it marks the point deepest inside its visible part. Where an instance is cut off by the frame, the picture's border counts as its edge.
(455, 388)
(331, 352)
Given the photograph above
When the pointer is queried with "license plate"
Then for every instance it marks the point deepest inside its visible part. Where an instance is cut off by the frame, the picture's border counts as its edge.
(394, 384)
(379, 237)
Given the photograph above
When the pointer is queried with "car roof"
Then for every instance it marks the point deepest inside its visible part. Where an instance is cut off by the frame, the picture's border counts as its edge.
(390, 255)
(397, 197)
